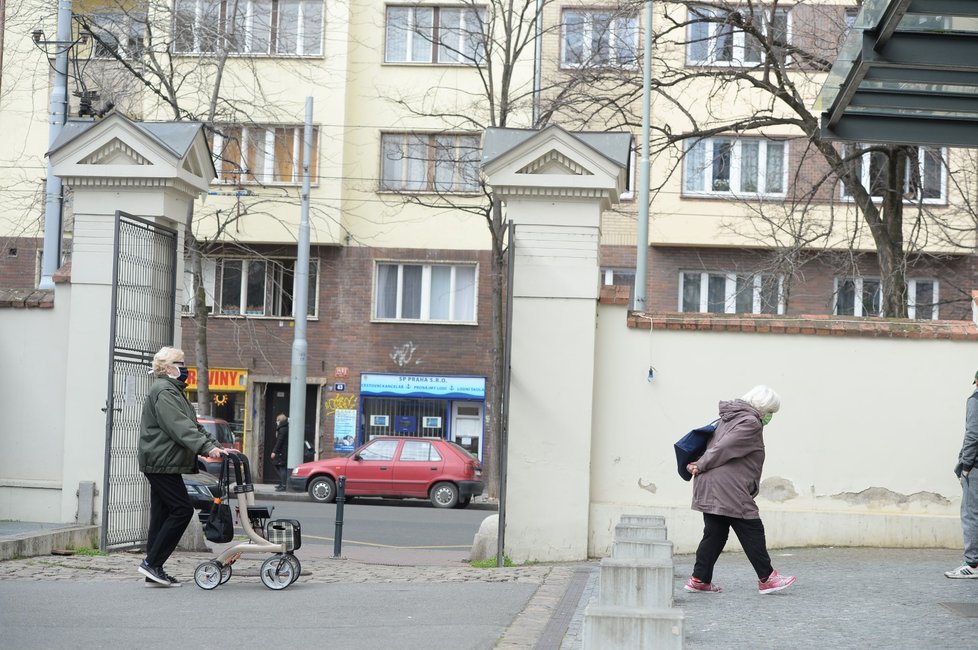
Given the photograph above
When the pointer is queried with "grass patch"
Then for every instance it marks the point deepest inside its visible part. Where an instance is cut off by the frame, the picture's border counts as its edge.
(87, 550)
(490, 563)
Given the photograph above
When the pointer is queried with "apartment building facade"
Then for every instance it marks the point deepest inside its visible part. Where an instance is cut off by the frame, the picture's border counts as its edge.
(746, 214)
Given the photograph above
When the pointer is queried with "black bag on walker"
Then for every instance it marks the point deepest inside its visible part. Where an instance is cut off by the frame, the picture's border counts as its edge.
(220, 524)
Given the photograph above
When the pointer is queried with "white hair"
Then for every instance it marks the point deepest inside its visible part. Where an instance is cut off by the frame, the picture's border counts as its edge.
(164, 358)
(764, 399)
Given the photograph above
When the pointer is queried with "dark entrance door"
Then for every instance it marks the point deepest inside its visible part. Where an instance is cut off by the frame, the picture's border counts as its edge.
(277, 401)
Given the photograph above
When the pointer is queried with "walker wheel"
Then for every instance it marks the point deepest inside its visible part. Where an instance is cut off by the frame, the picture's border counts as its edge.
(225, 573)
(208, 575)
(296, 565)
(277, 572)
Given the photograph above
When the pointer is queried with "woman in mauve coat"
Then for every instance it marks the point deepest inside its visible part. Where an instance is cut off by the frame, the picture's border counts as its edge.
(726, 478)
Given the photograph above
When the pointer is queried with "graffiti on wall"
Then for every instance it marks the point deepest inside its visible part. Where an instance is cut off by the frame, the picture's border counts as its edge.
(403, 355)
(340, 401)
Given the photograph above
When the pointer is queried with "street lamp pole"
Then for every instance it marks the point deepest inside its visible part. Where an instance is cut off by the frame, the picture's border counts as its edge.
(58, 113)
(642, 245)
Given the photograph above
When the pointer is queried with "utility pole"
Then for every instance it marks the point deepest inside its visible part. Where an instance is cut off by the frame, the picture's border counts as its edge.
(300, 305)
(58, 113)
(642, 246)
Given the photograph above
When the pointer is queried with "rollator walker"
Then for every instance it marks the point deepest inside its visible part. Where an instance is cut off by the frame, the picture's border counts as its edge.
(281, 537)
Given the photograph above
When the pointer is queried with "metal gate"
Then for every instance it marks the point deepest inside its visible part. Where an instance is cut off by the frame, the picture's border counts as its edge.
(143, 307)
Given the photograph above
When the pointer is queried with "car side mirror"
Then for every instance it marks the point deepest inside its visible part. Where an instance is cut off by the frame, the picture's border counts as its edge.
(357, 457)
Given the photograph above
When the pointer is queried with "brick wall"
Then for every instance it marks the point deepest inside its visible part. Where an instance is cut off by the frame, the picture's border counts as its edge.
(19, 262)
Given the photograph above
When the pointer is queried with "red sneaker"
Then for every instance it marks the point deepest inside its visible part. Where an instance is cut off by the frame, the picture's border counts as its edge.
(695, 585)
(774, 583)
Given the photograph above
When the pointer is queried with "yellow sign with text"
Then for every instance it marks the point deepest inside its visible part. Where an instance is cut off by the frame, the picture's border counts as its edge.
(227, 380)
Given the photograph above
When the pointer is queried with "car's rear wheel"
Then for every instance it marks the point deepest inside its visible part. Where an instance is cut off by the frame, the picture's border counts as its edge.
(322, 489)
(444, 495)
(464, 503)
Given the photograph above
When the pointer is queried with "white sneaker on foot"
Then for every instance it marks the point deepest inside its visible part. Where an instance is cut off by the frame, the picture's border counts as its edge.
(963, 571)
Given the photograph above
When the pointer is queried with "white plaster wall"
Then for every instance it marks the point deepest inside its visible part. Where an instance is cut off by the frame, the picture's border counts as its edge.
(858, 414)
(32, 397)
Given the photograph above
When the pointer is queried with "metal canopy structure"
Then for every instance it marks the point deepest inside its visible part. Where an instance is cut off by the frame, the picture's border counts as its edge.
(907, 73)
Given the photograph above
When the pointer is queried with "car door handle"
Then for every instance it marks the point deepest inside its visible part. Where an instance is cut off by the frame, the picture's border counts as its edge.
(433, 469)
(383, 469)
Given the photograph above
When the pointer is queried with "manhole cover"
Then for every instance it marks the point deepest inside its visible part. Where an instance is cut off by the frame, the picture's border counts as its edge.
(968, 610)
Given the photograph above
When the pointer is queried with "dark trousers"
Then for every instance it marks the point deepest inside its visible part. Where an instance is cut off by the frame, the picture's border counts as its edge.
(170, 510)
(283, 474)
(716, 529)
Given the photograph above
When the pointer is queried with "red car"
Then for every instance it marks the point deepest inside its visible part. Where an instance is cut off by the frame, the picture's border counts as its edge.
(222, 432)
(398, 467)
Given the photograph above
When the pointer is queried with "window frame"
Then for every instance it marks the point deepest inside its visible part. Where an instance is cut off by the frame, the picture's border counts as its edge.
(458, 56)
(735, 178)
(858, 307)
(274, 289)
(730, 292)
(866, 176)
(275, 33)
(241, 140)
(462, 167)
(632, 29)
(126, 30)
(738, 46)
(424, 290)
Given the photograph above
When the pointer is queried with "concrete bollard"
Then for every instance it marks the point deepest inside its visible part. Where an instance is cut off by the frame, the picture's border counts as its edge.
(645, 584)
(649, 521)
(486, 541)
(625, 532)
(626, 628)
(644, 549)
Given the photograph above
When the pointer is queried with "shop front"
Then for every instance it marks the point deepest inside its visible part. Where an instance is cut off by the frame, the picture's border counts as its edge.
(229, 396)
(427, 406)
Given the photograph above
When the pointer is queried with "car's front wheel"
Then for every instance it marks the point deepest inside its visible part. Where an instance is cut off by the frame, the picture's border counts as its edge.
(444, 495)
(322, 489)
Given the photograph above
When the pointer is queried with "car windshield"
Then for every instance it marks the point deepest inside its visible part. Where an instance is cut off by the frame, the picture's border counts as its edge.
(459, 448)
(220, 430)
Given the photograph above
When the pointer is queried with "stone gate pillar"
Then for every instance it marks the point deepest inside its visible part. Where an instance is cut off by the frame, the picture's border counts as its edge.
(153, 170)
(555, 185)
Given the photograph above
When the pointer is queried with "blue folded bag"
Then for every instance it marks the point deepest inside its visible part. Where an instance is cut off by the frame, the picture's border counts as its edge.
(691, 446)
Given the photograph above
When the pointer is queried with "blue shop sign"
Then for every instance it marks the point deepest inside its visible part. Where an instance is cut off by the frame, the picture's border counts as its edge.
(423, 386)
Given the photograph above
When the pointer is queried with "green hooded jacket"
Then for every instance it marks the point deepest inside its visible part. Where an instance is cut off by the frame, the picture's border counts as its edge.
(169, 436)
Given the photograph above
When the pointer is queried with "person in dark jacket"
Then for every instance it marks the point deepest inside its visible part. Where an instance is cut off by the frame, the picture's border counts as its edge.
(280, 452)
(967, 459)
(726, 478)
(169, 441)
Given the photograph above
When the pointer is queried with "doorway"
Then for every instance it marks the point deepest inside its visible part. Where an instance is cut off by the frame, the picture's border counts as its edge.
(467, 426)
(277, 401)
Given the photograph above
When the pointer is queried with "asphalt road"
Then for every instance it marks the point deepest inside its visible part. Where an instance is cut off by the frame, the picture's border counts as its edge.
(385, 523)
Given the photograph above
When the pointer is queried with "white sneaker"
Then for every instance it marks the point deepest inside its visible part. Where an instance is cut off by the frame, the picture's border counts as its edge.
(963, 571)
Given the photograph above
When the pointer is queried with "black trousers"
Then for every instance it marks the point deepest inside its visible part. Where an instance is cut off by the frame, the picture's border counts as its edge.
(283, 474)
(170, 510)
(716, 529)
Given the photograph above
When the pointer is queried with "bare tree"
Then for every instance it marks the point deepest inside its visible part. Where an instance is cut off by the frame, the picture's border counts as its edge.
(724, 70)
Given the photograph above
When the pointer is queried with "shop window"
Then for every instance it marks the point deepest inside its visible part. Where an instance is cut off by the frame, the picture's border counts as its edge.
(425, 292)
(261, 287)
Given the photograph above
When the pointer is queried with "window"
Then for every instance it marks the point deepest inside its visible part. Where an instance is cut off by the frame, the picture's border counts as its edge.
(273, 27)
(208, 270)
(435, 35)
(731, 293)
(599, 38)
(620, 278)
(116, 34)
(862, 297)
(263, 154)
(261, 287)
(425, 292)
(924, 176)
(428, 162)
(379, 450)
(713, 39)
(741, 166)
(419, 450)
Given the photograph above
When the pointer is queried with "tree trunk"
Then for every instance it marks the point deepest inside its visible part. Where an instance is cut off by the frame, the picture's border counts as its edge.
(200, 314)
(494, 399)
